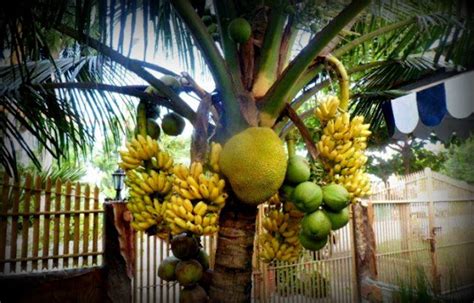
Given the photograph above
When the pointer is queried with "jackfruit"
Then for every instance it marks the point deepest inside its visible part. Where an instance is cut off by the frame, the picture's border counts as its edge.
(254, 161)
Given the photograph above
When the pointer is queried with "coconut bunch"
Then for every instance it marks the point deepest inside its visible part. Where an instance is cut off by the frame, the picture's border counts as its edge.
(189, 266)
(310, 210)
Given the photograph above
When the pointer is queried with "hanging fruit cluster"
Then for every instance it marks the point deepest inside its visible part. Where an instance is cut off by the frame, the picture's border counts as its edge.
(281, 225)
(166, 198)
(197, 201)
(149, 179)
(171, 197)
(189, 266)
(303, 214)
(342, 147)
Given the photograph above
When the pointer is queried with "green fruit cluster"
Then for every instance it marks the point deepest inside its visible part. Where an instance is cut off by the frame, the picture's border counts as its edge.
(171, 123)
(324, 209)
(189, 266)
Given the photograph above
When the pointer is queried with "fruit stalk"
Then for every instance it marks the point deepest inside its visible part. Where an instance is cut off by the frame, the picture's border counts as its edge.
(291, 144)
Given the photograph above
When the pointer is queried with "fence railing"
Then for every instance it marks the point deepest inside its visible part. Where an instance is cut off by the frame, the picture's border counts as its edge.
(423, 229)
(46, 225)
(324, 276)
(150, 252)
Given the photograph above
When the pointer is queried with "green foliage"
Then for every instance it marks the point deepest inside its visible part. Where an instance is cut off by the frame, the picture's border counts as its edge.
(420, 292)
(312, 283)
(459, 162)
(411, 156)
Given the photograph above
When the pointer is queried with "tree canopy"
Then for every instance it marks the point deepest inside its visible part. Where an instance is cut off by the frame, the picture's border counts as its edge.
(67, 74)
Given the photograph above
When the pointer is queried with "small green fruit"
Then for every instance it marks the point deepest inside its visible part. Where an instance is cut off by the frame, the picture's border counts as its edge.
(316, 225)
(312, 243)
(335, 197)
(206, 19)
(166, 270)
(239, 30)
(307, 197)
(184, 247)
(188, 272)
(193, 294)
(211, 29)
(298, 170)
(338, 219)
(172, 124)
(152, 129)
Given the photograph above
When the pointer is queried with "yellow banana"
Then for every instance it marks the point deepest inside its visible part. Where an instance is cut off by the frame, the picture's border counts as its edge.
(200, 208)
(197, 219)
(203, 191)
(188, 205)
(180, 222)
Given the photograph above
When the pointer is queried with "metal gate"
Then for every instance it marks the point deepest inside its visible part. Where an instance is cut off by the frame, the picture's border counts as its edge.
(423, 230)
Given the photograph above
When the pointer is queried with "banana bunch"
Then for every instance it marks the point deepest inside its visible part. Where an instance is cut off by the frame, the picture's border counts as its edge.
(139, 149)
(149, 180)
(181, 216)
(274, 200)
(357, 184)
(327, 108)
(342, 147)
(145, 191)
(280, 238)
(141, 183)
(162, 161)
(196, 202)
(213, 158)
(146, 212)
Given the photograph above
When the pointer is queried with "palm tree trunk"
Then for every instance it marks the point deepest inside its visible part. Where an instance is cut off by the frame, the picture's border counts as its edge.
(232, 277)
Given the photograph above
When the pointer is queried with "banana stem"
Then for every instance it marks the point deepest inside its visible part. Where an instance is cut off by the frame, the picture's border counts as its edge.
(343, 80)
(141, 119)
(291, 144)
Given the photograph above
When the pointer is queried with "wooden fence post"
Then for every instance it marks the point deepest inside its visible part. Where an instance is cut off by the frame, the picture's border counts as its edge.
(365, 258)
(119, 244)
(436, 278)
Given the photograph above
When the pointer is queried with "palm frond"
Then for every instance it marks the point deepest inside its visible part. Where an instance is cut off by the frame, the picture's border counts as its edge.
(59, 119)
(123, 25)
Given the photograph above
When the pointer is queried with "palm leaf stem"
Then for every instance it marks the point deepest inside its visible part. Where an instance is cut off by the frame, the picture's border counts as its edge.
(225, 11)
(132, 90)
(274, 101)
(378, 32)
(130, 65)
(233, 120)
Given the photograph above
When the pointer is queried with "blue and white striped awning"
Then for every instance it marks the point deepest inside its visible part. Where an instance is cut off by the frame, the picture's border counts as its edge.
(442, 108)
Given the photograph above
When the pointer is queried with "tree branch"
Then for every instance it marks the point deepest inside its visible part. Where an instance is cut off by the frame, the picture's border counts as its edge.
(278, 95)
(201, 93)
(132, 90)
(313, 151)
(132, 65)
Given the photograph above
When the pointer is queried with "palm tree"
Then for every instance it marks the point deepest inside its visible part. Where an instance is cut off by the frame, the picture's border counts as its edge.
(64, 60)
